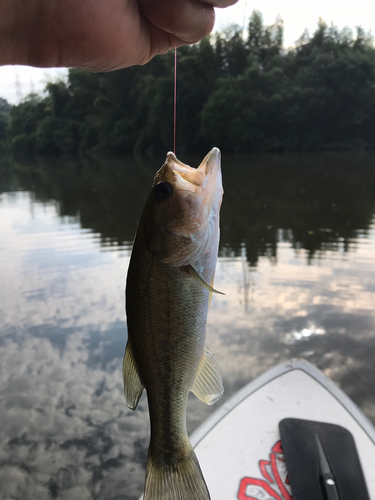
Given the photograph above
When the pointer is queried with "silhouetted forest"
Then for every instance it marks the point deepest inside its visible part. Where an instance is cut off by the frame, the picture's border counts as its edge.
(240, 92)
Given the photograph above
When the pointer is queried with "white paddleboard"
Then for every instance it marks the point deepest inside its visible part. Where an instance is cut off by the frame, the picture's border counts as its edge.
(239, 447)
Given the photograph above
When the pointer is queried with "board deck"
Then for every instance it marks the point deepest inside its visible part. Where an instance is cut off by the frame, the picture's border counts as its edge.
(239, 447)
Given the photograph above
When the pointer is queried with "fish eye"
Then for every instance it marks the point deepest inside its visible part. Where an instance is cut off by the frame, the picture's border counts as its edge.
(163, 191)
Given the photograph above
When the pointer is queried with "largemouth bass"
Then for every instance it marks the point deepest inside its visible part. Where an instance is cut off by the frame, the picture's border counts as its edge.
(168, 289)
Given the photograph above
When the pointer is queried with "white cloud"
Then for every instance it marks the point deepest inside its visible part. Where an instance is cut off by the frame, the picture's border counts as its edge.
(16, 82)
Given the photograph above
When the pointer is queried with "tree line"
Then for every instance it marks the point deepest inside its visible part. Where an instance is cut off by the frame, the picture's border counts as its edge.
(239, 91)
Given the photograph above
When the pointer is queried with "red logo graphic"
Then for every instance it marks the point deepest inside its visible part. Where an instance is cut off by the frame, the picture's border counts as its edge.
(276, 483)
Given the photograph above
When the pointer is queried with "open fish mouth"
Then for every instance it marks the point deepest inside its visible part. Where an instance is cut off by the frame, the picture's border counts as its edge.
(184, 209)
(205, 174)
(205, 181)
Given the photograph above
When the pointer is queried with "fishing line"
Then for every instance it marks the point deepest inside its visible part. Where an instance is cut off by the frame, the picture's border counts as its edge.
(175, 100)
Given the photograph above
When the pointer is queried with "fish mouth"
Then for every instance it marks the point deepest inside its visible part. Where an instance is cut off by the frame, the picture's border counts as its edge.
(188, 221)
(196, 176)
(209, 164)
(204, 180)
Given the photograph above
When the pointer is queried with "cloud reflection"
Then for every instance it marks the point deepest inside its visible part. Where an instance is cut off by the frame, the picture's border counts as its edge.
(66, 432)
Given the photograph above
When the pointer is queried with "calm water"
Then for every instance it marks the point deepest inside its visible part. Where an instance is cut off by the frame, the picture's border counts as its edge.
(297, 264)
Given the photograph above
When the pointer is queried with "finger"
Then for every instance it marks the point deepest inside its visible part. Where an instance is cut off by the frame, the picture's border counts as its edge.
(187, 20)
(221, 4)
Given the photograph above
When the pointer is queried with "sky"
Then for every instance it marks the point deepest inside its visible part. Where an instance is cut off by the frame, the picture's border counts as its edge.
(297, 17)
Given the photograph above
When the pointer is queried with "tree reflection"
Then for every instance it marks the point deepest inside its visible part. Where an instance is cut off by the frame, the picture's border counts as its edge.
(316, 202)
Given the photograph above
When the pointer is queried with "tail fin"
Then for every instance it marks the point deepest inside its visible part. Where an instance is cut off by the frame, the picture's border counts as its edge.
(180, 481)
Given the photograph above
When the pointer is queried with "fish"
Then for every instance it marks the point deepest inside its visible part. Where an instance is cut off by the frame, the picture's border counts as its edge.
(168, 290)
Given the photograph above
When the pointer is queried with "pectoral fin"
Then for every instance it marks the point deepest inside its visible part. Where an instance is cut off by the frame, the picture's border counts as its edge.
(193, 273)
(133, 386)
(208, 383)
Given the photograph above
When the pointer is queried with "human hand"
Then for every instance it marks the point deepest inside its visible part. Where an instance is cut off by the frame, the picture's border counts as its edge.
(100, 35)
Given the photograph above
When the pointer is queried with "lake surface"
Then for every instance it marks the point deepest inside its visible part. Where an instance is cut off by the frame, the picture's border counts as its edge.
(297, 265)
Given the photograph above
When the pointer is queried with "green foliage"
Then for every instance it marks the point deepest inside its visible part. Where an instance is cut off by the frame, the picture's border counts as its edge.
(25, 118)
(5, 107)
(264, 42)
(4, 124)
(57, 135)
(240, 92)
(23, 144)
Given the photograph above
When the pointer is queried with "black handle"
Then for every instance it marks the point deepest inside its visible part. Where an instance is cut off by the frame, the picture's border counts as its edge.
(329, 487)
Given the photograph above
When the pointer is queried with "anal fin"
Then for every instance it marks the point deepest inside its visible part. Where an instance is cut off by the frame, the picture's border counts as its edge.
(133, 386)
(208, 383)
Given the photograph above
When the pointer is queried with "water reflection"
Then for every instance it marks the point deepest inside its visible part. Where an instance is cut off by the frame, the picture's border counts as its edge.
(317, 202)
(297, 266)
